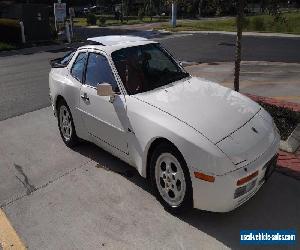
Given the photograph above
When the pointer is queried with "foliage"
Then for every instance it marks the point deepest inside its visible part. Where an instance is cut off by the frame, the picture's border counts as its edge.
(226, 7)
(262, 23)
(130, 20)
(285, 119)
(11, 30)
(141, 14)
(102, 20)
(6, 46)
(91, 19)
(258, 23)
(209, 8)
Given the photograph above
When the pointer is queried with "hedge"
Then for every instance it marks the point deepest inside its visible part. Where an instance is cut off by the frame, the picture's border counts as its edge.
(10, 30)
(285, 119)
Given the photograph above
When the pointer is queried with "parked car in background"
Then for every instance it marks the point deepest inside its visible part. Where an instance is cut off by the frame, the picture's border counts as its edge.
(200, 144)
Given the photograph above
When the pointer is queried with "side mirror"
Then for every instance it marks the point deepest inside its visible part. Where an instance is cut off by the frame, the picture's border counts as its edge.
(105, 89)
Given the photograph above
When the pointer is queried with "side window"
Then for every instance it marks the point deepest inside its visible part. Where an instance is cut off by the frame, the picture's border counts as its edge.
(78, 66)
(98, 71)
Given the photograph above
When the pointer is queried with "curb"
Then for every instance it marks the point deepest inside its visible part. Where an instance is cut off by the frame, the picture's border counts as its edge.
(275, 102)
(288, 163)
(260, 34)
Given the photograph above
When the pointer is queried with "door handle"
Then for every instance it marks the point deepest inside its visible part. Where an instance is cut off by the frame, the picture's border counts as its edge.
(85, 97)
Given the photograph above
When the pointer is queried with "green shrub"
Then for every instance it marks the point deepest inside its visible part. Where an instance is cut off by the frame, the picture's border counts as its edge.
(6, 46)
(285, 119)
(91, 19)
(258, 23)
(246, 22)
(10, 30)
(102, 20)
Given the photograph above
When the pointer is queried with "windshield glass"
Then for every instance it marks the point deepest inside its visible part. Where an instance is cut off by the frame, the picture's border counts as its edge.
(146, 67)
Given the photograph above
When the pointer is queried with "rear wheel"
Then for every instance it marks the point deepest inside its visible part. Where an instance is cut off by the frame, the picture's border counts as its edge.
(170, 179)
(66, 125)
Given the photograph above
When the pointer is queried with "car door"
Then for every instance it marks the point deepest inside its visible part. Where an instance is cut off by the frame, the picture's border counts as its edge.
(106, 122)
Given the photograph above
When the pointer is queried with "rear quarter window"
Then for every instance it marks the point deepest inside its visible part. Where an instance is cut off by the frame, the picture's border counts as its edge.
(78, 66)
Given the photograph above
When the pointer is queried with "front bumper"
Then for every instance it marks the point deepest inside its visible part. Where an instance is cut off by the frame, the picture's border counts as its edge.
(218, 196)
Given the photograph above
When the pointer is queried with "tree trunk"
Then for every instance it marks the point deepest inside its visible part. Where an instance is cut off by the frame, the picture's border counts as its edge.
(200, 8)
(239, 26)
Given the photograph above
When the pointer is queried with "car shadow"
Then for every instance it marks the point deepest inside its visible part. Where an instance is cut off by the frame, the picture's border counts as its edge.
(275, 206)
(111, 163)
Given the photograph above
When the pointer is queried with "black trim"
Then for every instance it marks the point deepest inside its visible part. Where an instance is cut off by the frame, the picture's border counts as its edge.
(127, 153)
(83, 73)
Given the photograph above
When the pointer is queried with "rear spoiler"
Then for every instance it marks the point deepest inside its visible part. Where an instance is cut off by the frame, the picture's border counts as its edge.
(55, 63)
(62, 62)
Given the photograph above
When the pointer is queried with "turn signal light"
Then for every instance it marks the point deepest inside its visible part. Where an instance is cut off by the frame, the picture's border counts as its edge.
(204, 177)
(247, 178)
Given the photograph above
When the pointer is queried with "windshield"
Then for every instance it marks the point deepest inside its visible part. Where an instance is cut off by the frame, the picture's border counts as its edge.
(146, 67)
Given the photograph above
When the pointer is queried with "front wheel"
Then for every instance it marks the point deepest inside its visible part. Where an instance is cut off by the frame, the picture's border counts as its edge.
(171, 179)
(66, 125)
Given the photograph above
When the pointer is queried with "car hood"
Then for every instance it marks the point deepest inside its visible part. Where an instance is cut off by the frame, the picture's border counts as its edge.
(211, 109)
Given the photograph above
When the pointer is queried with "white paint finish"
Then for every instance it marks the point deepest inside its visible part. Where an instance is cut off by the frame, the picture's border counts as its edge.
(105, 121)
(219, 196)
(194, 114)
(249, 142)
(148, 123)
(211, 109)
(115, 40)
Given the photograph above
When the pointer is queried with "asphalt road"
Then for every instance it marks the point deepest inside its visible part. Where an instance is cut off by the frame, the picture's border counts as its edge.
(24, 77)
(221, 48)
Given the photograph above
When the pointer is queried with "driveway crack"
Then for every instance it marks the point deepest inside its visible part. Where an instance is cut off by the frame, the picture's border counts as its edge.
(30, 189)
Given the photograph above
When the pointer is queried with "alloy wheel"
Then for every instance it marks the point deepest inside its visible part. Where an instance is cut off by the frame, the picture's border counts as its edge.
(65, 122)
(170, 179)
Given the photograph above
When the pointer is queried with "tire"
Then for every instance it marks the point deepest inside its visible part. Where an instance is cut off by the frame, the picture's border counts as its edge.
(67, 131)
(170, 179)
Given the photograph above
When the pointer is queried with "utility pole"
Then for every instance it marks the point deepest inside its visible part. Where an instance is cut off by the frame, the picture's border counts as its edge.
(174, 13)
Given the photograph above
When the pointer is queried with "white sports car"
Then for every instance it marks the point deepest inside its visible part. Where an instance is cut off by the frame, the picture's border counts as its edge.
(200, 144)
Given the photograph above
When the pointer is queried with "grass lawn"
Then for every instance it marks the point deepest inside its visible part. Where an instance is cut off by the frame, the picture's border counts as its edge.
(112, 22)
(6, 46)
(261, 23)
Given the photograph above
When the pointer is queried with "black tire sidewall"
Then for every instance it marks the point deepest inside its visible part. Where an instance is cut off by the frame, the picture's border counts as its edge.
(187, 202)
(74, 139)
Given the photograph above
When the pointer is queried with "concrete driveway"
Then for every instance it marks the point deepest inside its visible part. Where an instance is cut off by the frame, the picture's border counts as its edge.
(57, 198)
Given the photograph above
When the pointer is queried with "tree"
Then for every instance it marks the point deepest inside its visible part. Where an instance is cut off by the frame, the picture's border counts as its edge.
(238, 48)
(149, 8)
(273, 9)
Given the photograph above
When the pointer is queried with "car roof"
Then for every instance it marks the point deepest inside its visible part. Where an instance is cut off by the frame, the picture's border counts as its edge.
(115, 40)
(113, 43)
